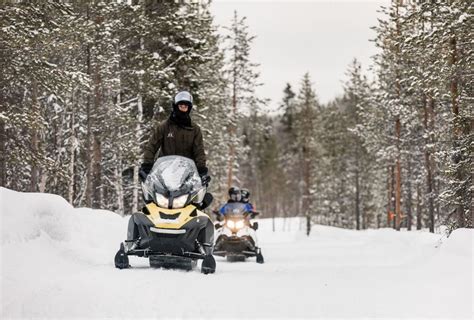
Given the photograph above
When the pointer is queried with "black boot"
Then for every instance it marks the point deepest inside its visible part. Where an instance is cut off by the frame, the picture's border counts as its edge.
(121, 258)
(208, 264)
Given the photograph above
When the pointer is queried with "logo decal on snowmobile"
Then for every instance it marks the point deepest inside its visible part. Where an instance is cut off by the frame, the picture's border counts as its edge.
(170, 135)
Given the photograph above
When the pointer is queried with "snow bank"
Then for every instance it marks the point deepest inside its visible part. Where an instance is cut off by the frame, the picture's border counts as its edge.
(27, 216)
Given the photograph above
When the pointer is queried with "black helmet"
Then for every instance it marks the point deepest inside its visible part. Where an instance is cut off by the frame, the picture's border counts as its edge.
(245, 195)
(183, 97)
(234, 194)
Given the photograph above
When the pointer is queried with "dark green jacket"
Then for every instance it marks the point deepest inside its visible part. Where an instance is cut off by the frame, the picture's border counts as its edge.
(171, 139)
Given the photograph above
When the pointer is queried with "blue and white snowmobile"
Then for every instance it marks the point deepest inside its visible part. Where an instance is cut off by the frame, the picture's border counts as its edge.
(236, 237)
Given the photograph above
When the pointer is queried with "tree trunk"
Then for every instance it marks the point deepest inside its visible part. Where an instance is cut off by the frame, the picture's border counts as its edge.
(392, 196)
(138, 129)
(308, 224)
(88, 146)
(409, 198)
(119, 184)
(232, 132)
(418, 207)
(138, 134)
(72, 151)
(97, 172)
(96, 142)
(42, 182)
(34, 138)
(307, 194)
(273, 220)
(429, 171)
(3, 151)
(357, 200)
(118, 172)
(398, 182)
(389, 195)
(457, 131)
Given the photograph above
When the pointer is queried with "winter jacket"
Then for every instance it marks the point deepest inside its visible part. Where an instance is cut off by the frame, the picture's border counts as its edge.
(171, 139)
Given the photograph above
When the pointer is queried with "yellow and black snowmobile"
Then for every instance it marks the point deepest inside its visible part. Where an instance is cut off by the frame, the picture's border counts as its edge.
(171, 230)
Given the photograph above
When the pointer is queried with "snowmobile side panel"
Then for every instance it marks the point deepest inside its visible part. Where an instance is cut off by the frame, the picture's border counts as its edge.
(138, 226)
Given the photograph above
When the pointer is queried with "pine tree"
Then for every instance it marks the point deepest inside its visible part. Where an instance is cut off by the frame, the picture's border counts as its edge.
(242, 79)
(307, 138)
(361, 164)
(286, 135)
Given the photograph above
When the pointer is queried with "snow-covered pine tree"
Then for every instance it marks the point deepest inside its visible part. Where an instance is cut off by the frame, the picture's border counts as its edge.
(361, 164)
(243, 79)
(286, 135)
(336, 186)
(456, 87)
(391, 99)
(308, 123)
(419, 97)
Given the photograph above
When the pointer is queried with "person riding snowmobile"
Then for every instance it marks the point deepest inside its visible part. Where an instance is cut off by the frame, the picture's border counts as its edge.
(236, 238)
(177, 135)
(245, 198)
(235, 195)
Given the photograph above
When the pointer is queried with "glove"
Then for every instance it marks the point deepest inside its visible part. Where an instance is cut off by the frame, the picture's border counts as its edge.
(253, 214)
(144, 171)
(205, 178)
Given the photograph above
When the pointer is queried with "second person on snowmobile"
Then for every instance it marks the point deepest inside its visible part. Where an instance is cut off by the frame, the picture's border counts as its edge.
(241, 196)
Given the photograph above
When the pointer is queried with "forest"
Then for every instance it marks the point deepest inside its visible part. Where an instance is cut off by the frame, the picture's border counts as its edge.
(83, 83)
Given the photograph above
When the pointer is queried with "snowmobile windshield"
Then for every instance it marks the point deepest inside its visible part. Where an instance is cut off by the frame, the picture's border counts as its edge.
(235, 209)
(172, 177)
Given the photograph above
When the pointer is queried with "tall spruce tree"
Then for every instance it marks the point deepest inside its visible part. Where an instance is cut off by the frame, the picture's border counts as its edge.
(308, 116)
(288, 146)
(242, 77)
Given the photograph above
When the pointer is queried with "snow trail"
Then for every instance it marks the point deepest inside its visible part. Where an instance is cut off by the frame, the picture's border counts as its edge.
(57, 262)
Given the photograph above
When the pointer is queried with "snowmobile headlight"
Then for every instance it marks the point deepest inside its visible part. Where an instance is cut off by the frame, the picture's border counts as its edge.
(231, 224)
(161, 200)
(180, 201)
(239, 224)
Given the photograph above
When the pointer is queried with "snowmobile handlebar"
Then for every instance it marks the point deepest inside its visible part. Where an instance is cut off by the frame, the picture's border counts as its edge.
(252, 214)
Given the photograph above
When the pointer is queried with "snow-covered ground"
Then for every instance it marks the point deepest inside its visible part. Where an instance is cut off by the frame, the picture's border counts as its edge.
(57, 262)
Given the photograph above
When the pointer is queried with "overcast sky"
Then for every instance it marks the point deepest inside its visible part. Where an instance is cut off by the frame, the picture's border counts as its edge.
(295, 37)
